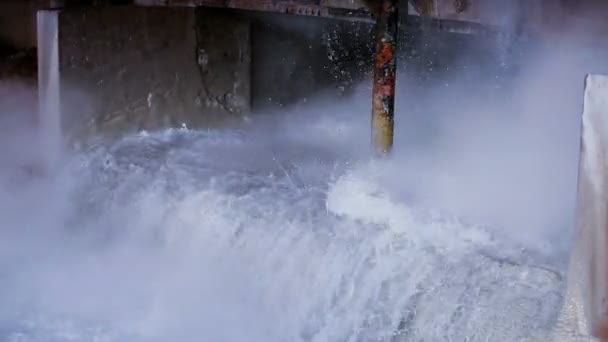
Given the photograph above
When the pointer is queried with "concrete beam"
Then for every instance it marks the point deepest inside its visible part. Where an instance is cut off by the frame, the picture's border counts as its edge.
(354, 10)
(460, 16)
(475, 11)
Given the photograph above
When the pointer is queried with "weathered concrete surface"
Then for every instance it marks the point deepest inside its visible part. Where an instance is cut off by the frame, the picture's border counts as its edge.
(479, 11)
(127, 68)
(223, 40)
(296, 58)
(124, 69)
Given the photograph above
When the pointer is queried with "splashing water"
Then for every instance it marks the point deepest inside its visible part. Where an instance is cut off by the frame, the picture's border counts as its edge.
(226, 236)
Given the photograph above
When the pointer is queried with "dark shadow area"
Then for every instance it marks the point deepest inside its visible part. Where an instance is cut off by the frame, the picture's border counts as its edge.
(18, 64)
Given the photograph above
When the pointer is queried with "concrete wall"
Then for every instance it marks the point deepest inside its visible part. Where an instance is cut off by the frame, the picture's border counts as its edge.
(123, 69)
(297, 57)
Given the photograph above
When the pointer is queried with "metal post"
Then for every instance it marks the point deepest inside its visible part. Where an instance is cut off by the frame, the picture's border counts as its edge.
(384, 76)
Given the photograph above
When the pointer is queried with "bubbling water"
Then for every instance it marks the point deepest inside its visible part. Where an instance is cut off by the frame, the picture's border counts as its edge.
(224, 236)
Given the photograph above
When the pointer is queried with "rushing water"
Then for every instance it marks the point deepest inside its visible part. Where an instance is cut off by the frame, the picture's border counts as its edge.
(226, 236)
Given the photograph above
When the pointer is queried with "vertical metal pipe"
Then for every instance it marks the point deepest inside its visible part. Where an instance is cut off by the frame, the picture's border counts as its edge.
(384, 76)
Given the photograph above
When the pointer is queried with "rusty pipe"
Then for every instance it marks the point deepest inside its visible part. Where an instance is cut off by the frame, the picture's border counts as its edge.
(383, 102)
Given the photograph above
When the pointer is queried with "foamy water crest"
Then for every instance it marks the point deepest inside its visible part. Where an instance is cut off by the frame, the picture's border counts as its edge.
(223, 236)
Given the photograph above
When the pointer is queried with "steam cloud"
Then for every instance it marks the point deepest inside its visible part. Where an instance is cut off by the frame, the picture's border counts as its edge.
(90, 241)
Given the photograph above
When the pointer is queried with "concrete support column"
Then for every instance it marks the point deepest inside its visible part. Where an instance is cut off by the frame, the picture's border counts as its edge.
(49, 118)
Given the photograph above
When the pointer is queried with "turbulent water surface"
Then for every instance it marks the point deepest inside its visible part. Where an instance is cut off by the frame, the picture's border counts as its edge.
(249, 236)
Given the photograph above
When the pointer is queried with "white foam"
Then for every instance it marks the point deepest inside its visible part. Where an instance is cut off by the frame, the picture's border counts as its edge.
(166, 241)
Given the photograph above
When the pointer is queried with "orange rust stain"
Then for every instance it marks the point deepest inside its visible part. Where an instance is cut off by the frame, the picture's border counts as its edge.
(385, 54)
